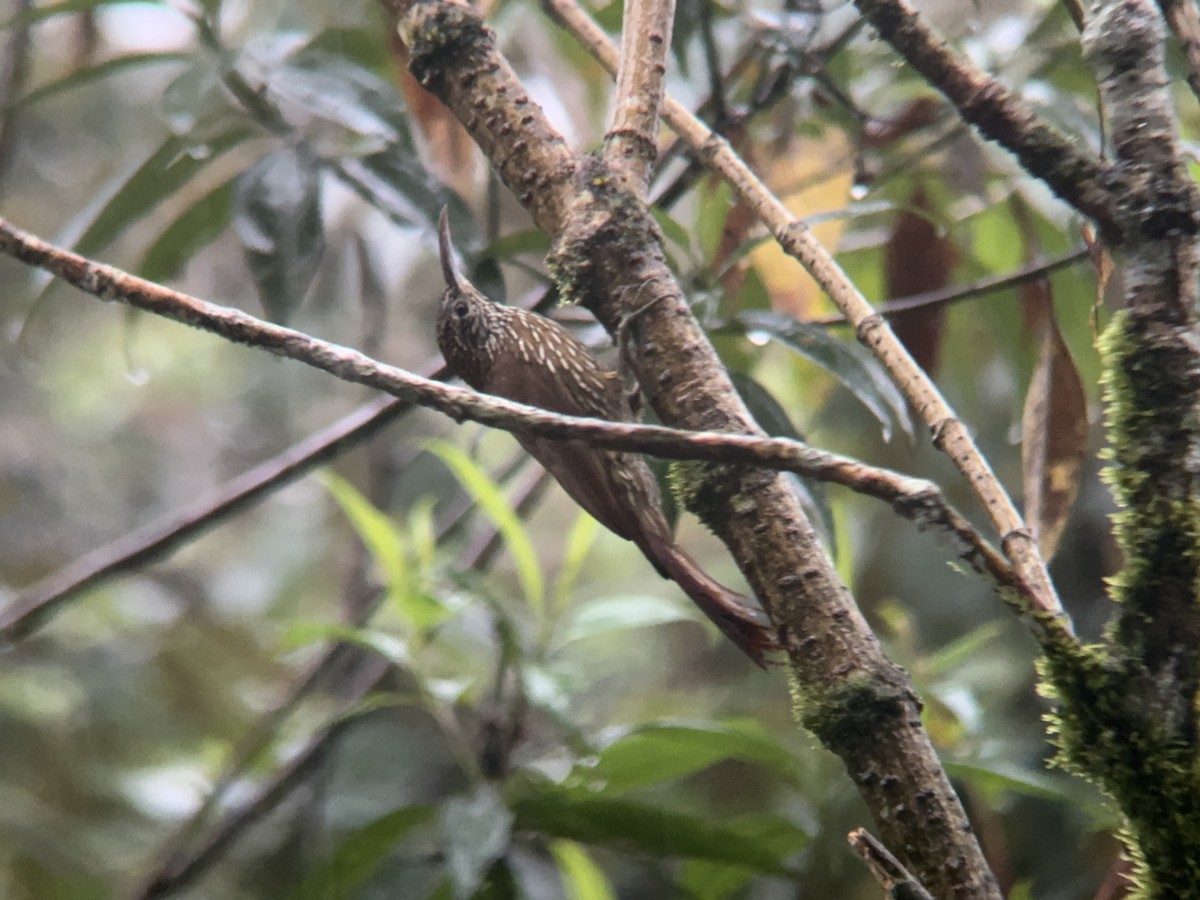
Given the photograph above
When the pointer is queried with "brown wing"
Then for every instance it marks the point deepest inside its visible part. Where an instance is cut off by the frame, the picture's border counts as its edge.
(560, 375)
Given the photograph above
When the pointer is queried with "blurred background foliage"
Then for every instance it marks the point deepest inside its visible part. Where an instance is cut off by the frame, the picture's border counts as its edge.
(529, 711)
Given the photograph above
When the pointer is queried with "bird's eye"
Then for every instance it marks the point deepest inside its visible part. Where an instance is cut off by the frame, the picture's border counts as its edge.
(460, 309)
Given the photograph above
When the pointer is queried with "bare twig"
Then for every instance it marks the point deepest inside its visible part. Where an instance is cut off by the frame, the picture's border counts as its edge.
(949, 433)
(181, 869)
(631, 144)
(892, 877)
(916, 499)
(955, 293)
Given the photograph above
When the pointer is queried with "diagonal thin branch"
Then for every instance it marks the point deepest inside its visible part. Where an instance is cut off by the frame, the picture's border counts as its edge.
(915, 499)
(891, 875)
(181, 864)
(631, 144)
(955, 293)
(40, 601)
(949, 433)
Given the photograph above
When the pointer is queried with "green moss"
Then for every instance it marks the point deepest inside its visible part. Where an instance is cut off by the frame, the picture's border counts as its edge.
(1104, 733)
(849, 711)
(1124, 712)
(436, 33)
(707, 490)
(1151, 417)
(609, 227)
(570, 269)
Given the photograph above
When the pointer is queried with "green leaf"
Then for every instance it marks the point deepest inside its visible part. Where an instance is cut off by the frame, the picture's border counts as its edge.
(361, 853)
(388, 645)
(195, 100)
(671, 229)
(87, 74)
(376, 529)
(519, 243)
(277, 217)
(353, 112)
(388, 548)
(658, 753)
(167, 169)
(996, 778)
(579, 541)
(619, 613)
(362, 46)
(967, 647)
(716, 200)
(704, 880)
(195, 228)
(487, 495)
(476, 830)
(378, 154)
(582, 878)
(758, 842)
(423, 534)
(849, 363)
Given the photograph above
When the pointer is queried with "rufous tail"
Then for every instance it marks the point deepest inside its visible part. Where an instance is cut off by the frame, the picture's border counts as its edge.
(746, 627)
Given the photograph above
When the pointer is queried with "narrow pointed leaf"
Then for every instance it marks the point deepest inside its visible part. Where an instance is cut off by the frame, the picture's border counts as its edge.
(163, 172)
(663, 752)
(88, 74)
(194, 229)
(277, 217)
(485, 493)
(759, 842)
(377, 152)
(582, 878)
(619, 613)
(849, 363)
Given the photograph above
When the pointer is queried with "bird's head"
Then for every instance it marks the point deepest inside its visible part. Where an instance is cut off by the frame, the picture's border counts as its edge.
(466, 318)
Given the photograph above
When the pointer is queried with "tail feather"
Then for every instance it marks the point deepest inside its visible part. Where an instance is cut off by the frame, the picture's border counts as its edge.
(746, 627)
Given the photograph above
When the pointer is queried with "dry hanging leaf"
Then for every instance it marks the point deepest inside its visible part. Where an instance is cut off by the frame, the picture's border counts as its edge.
(918, 257)
(1054, 429)
(452, 154)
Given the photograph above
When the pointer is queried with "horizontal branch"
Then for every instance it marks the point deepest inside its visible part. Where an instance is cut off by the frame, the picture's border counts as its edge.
(916, 499)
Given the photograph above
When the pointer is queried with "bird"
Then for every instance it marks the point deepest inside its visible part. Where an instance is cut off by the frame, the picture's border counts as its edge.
(519, 355)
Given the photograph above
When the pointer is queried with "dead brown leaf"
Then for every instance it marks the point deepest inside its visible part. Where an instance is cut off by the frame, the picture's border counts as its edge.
(1054, 428)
